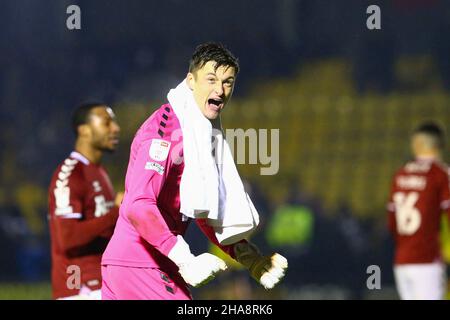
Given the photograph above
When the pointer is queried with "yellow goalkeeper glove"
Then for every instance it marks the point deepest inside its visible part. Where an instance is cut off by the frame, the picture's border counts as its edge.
(267, 270)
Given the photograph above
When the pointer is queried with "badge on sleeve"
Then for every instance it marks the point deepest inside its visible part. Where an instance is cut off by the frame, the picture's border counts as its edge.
(155, 167)
(159, 149)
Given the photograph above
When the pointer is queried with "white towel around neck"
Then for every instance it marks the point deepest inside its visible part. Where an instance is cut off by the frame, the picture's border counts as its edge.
(210, 187)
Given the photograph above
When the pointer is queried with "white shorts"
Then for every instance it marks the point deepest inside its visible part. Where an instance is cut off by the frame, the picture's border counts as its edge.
(421, 281)
(85, 294)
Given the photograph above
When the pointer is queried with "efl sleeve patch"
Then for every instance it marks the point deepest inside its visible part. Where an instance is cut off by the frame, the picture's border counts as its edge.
(155, 167)
(159, 149)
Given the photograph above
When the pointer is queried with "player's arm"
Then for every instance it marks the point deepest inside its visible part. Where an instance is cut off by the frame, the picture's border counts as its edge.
(147, 178)
(208, 231)
(71, 230)
(73, 233)
(444, 195)
(390, 208)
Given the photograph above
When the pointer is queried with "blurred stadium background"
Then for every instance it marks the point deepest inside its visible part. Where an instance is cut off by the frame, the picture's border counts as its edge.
(344, 98)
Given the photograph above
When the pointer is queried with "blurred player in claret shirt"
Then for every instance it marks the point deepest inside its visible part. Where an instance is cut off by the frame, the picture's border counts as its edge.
(83, 207)
(420, 194)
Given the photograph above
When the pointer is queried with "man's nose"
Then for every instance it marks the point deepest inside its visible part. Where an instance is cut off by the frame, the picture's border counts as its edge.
(219, 89)
(115, 128)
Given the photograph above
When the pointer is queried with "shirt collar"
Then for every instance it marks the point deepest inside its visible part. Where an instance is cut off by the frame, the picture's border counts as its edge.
(79, 156)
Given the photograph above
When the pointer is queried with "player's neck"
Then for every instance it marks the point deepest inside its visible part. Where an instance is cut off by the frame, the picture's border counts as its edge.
(93, 155)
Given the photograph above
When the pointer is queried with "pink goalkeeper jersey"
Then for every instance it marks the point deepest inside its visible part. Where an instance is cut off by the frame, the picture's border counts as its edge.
(152, 198)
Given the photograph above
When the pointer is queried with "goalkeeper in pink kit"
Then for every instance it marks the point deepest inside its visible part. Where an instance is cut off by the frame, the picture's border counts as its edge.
(171, 180)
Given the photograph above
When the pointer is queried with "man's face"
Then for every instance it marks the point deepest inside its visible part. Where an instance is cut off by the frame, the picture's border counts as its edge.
(415, 144)
(212, 88)
(424, 145)
(103, 128)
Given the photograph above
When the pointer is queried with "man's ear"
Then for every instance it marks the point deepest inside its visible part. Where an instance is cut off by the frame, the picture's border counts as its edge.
(190, 80)
(83, 130)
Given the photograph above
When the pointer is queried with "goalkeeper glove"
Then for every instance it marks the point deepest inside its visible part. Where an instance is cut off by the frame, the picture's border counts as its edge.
(195, 270)
(267, 270)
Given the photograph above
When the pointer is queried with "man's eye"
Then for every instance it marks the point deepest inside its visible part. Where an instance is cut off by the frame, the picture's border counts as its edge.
(211, 80)
(228, 83)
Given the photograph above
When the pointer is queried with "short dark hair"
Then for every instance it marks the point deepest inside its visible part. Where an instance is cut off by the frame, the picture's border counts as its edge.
(213, 51)
(433, 130)
(81, 114)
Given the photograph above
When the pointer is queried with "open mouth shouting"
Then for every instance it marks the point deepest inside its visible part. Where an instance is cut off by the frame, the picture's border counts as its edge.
(215, 104)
